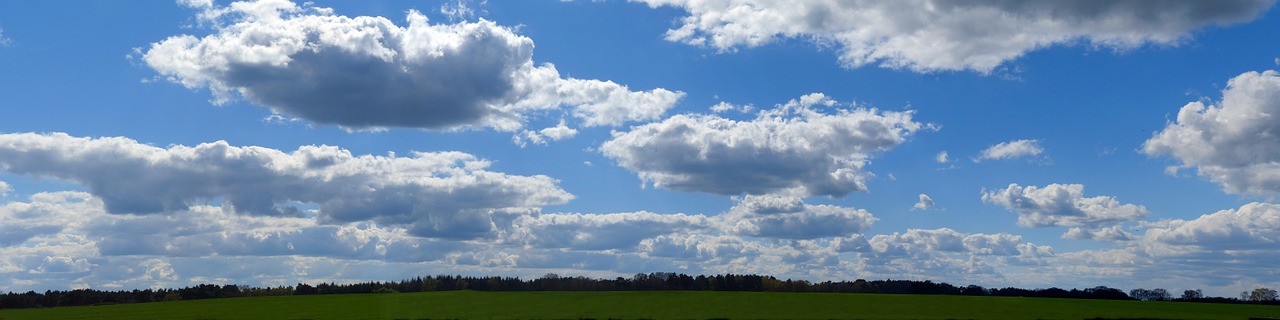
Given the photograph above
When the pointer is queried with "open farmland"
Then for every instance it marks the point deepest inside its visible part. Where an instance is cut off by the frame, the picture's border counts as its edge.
(647, 305)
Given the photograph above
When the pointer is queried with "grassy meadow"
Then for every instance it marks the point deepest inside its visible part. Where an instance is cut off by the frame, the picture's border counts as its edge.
(646, 305)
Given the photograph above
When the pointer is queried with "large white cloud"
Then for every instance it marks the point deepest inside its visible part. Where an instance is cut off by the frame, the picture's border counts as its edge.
(1234, 143)
(366, 72)
(446, 194)
(930, 35)
(1062, 205)
(809, 146)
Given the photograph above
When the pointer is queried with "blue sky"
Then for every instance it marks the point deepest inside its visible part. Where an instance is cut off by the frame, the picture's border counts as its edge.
(162, 144)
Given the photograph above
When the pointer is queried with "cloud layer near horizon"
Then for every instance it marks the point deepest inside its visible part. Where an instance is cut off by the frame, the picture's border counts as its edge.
(929, 35)
(69, 238)
(368, 73)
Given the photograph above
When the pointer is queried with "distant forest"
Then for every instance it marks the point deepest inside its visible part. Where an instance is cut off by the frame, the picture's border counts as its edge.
(649, 282)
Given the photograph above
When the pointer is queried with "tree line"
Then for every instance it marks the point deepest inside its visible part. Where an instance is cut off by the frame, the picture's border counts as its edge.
(638, 282)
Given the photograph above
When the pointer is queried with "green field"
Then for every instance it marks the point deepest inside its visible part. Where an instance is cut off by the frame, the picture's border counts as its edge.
(646, 305)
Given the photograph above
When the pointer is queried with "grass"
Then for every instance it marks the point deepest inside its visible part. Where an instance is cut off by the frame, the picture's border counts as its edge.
(647, 305)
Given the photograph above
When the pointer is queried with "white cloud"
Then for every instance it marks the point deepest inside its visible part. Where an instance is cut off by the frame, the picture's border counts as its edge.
(617, 231)
(774, 216)
(1253, 228)
(723, 107)
(540, 137)
(446, 194)
(5, 189)
(1108, 234)
(1011, 150)
(946, 253)
(1233, 143)
(1062, 205)
(694, 246)
(942, 157)
(558, 132)
(915, 242)
(931, 35)
(368, 73)
(924, 204)
(4, 41)
(795, 147)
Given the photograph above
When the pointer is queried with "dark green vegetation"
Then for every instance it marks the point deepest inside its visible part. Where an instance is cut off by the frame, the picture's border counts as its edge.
(647, 304)
(658, 281)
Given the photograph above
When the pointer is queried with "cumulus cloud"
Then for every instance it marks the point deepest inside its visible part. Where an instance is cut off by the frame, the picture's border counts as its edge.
(1233, 143)
(1254, 227)
(1062, 205)
(931, 35)
(5, 189)
(368, 73)
(785, 217)
(446, 194)
(809, 146)
(1011, 150)
(942, 157)
(924, 204)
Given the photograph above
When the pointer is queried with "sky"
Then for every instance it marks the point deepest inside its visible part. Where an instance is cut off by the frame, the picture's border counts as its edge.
(1034, 144)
